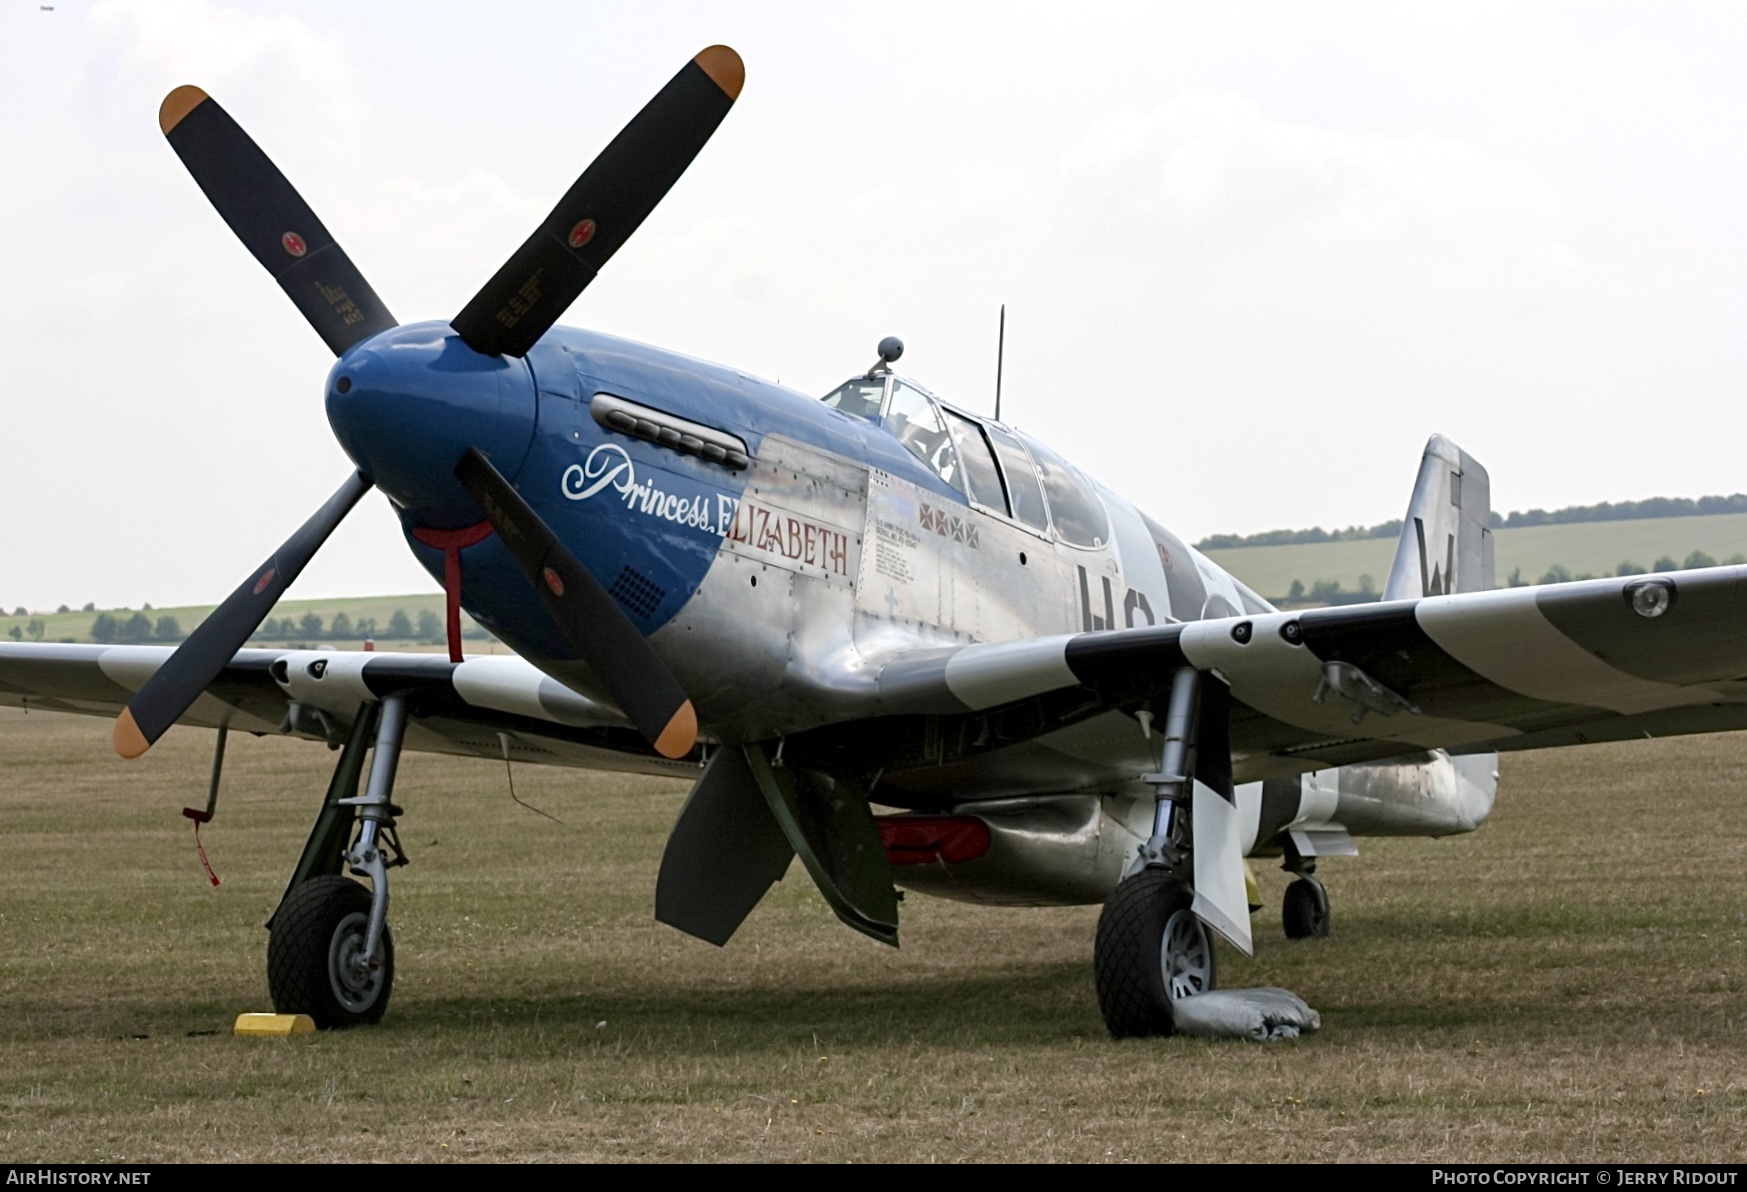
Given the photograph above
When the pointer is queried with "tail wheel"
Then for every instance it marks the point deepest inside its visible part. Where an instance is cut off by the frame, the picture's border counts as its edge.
(1304, 910)
(313, 951)
(1151, 950)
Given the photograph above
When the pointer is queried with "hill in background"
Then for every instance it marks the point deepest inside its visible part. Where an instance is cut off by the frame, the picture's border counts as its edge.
(391, 622)
(1647, 509)
(1529, 551)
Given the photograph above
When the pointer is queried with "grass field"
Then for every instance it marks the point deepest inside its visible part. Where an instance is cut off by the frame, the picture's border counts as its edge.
(1566, 984)
(1593, 547)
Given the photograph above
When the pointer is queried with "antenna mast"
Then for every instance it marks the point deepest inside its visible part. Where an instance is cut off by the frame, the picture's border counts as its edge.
(1000, 352)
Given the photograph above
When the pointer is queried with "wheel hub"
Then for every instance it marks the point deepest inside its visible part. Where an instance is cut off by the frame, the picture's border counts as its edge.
(356, 982)
(1186, 956)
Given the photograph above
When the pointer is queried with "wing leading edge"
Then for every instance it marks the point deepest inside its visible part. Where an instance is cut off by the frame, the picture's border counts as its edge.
(470, 708)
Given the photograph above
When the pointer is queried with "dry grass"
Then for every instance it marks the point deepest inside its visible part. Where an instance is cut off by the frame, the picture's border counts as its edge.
(1566, 984)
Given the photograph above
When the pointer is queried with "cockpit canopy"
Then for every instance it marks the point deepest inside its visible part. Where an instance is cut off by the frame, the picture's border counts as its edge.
(998, 470)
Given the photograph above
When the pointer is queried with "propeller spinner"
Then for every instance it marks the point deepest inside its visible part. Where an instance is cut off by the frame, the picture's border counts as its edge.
(506, 317)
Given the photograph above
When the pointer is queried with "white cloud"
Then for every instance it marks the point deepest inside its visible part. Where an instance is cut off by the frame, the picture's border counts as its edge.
(1209, 173)
(226, 50)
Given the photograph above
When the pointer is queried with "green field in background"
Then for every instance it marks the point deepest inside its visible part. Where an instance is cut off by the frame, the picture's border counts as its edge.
(77, 625)
(1594, 547)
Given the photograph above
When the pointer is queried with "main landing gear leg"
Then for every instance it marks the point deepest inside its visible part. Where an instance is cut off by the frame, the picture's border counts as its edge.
(1151, 947)
(330, 953)
(1304, 909)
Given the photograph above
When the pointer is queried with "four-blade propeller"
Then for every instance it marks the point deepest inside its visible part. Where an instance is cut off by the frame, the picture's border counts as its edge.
(508, 315)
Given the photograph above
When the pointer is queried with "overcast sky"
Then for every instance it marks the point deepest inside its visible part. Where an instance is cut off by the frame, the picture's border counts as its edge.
(1253, 254)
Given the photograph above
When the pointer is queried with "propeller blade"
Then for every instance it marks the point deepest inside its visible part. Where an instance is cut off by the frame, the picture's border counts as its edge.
(598, 214)
(596, 627)
(272, 220)
(197, 661)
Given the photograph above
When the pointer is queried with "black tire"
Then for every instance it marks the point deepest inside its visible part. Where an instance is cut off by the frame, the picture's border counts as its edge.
(318, 923)
(1304, 910)
(1128, 960)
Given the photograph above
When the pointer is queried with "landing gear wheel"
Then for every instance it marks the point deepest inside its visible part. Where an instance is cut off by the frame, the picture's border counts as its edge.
(1151, 950)
(1304, 910)
(314, 950)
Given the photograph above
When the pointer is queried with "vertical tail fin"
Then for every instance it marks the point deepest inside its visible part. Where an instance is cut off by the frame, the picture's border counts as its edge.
(1446, 537)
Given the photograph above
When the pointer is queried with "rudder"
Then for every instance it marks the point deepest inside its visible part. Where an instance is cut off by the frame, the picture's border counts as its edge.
(1446, 537)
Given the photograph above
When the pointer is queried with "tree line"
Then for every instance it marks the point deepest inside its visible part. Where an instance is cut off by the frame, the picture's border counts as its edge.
(137, 628)
(1330, 591)
(1388, 529)
(1558, 573)
(36, 627)
(342, 628)
(1625, 511)
(1649, 507)
(119, 628)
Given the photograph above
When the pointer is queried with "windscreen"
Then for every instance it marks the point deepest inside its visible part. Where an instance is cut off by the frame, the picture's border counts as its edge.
(913, 418)
(859, 398)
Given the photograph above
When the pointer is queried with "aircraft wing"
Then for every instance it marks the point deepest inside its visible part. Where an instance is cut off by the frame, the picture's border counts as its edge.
(459, 708)
(1516, 668)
